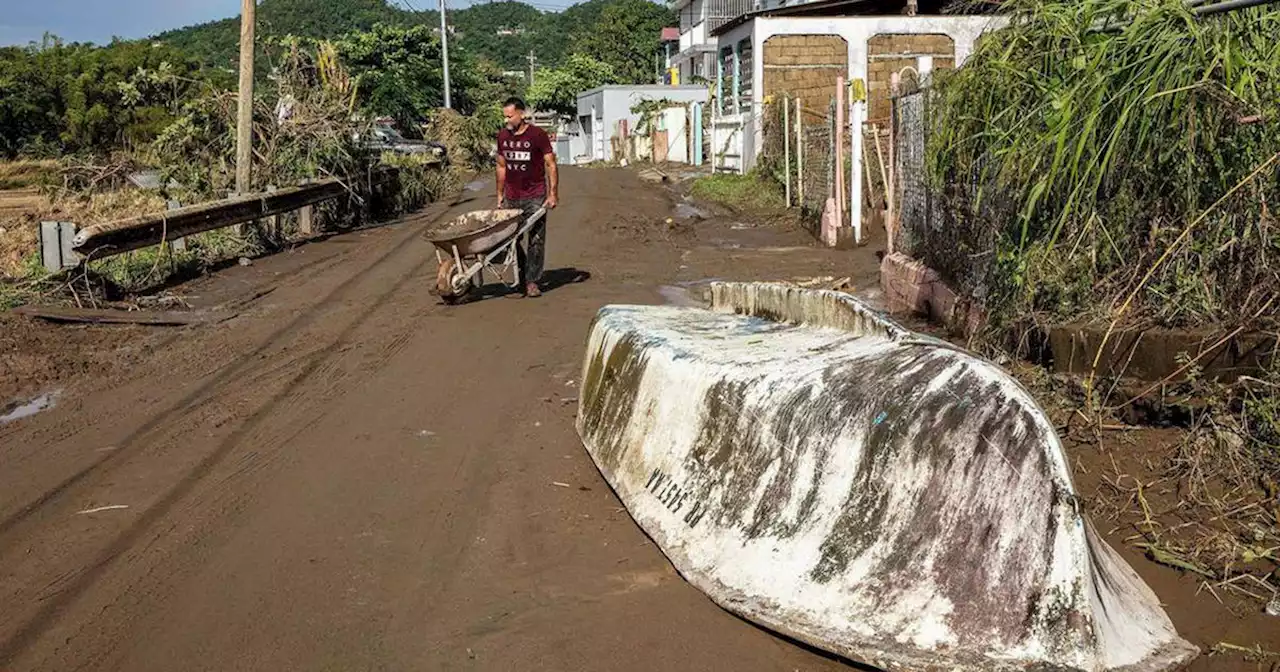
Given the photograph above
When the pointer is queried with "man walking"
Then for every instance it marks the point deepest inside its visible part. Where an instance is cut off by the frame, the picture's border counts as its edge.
(527, 181)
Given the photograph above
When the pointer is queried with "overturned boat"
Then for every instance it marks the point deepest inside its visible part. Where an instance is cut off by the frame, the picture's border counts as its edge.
(819, 470)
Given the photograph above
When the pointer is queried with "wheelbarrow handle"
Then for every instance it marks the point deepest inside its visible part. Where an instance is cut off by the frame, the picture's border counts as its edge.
(528, 223)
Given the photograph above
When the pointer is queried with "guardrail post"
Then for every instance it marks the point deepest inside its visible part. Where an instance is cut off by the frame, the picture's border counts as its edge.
(306, 220)
(272, 223)
(50, 247)
(177, 244)
(306, 217)
(56, 246)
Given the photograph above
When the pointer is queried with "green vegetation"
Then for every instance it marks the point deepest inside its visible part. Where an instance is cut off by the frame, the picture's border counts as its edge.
(750, 191)
(307, 125)
(1133, 173)
(143, 269)
(557, 89)
(625, 38)
(216, 44)
(303, 129)
(469, 138)
(1130, 177)
(398, 72)
(57, 98)
(75, 119)
(17, 292)
(505, 33)
(26, 174)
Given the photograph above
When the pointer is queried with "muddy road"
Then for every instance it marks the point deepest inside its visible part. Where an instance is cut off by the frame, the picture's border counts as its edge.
(348, 475)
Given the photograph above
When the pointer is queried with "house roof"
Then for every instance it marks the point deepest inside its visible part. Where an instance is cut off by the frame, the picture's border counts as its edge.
(643, 88)
(835, 8)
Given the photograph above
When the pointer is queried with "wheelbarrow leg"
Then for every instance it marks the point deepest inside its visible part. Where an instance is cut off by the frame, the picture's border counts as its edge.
(515, 265)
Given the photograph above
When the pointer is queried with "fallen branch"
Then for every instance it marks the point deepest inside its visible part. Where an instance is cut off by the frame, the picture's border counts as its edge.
(107, 316)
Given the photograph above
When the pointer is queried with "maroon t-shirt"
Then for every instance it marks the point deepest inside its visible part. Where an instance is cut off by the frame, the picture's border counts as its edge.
(526, 166)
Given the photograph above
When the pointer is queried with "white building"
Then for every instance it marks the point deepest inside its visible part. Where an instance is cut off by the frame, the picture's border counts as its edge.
(603, 111)
(695, 56)
(803, 50)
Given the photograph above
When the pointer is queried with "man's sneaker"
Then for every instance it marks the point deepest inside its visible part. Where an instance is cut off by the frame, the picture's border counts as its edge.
(531, 290)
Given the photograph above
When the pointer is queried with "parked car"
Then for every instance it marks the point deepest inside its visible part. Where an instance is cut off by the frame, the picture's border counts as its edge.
(387, 139)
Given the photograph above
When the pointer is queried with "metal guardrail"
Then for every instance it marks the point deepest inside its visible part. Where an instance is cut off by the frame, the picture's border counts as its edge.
(104, 240)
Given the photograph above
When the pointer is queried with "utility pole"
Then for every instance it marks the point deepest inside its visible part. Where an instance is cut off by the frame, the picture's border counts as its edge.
(444, 51)
(532, 59)
(244, 112)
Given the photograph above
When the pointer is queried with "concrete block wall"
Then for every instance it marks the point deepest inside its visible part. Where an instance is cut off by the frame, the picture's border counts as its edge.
(887, 54)
(805, 66)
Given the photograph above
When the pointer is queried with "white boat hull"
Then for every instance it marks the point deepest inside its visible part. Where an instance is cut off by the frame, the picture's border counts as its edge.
(821, 471)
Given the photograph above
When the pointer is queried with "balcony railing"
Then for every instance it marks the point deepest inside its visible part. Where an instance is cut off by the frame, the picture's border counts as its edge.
(720, 12)
(712, 14)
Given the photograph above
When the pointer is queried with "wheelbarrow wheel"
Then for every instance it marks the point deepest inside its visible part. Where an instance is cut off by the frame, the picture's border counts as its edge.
(446, 278)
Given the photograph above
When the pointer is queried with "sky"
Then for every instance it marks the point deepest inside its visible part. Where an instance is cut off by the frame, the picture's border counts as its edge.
(23, 21)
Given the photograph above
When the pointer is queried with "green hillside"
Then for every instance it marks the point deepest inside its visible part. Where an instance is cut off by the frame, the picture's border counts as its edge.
(503, 32)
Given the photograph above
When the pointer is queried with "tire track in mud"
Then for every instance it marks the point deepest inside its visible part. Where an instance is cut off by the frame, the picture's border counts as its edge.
(322, 365)
(211, 513)
(207, 391)
(158, 343)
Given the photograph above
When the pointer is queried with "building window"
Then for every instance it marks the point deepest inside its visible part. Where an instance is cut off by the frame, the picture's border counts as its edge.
(726, 79)
(746, 71)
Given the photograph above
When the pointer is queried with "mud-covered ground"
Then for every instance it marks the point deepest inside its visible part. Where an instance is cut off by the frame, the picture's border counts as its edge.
(349, 475)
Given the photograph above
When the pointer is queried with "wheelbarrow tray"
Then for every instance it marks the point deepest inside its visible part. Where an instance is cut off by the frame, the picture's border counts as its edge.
(477, 232)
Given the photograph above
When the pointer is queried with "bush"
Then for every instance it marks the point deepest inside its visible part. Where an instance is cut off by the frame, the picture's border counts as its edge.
(1119, 176)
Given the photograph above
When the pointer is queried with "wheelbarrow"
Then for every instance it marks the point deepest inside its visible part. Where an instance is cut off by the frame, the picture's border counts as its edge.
(475, 242)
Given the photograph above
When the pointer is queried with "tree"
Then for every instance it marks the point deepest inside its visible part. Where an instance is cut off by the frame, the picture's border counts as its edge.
(61, 98)
(397, 71)
(503, 32)
(557, 89)
(627, 37)
(216, 44)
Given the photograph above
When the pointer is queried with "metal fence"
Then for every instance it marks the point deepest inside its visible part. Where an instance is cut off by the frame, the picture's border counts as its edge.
(915, 216)
(799, 150)
(819, 148)
(939, 226)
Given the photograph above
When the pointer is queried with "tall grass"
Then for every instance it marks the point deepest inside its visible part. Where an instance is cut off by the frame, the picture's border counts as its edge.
(1128, 175)
(753, 191)
(25, 173)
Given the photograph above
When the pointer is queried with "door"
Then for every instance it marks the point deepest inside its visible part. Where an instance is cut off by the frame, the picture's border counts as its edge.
(597, 136)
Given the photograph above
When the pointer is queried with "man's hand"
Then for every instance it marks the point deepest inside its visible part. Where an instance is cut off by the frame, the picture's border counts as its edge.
(553, 181)
(501, 174)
